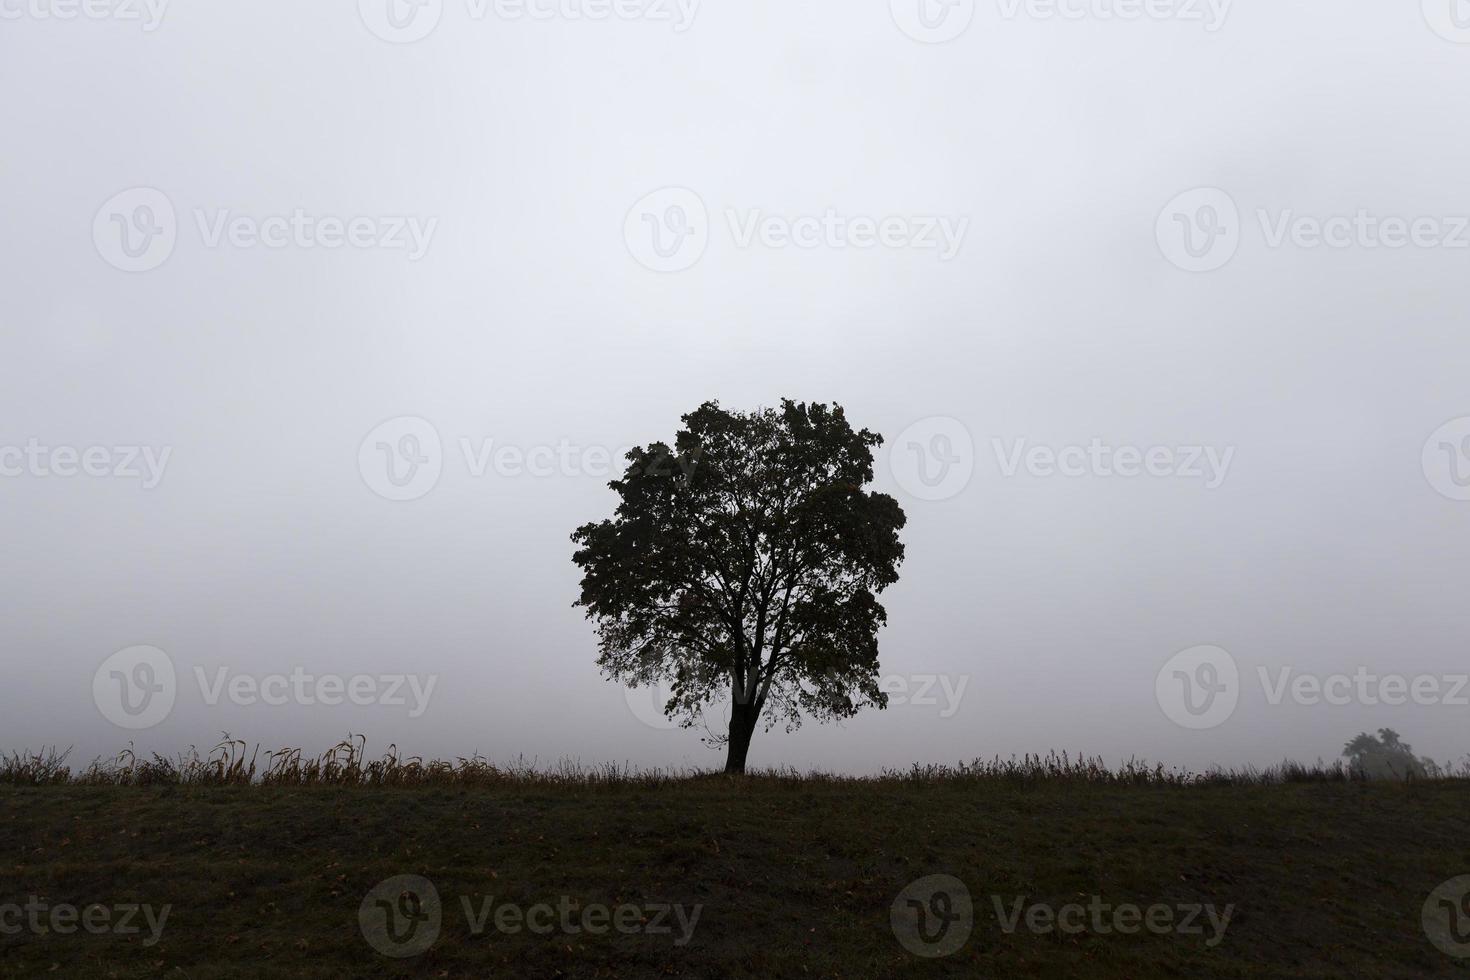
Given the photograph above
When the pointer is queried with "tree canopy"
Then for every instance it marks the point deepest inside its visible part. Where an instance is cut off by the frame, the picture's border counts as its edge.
(746, 560)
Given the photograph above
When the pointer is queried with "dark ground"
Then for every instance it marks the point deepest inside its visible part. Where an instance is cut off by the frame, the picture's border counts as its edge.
(795, 878)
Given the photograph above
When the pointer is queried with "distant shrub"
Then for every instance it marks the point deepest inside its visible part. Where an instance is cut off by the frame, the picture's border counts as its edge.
(1387, 757)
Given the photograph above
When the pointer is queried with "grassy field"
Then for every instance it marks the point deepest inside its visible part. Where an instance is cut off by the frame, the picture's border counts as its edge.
(716, 877)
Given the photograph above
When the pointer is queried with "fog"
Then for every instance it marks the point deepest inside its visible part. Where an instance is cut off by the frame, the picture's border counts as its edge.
(250, 251)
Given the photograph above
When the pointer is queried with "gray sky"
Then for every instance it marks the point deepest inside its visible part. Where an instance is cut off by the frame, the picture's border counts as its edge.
(560, 233)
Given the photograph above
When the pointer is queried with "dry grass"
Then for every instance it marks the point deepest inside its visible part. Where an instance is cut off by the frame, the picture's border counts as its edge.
(233, 762)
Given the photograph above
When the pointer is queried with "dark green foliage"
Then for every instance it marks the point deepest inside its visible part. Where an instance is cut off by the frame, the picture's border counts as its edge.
(745, 561)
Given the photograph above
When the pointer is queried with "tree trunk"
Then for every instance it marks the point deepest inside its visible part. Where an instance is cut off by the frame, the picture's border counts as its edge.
(742, 727)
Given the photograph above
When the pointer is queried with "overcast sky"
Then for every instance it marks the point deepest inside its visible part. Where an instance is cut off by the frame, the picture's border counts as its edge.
(320, 324)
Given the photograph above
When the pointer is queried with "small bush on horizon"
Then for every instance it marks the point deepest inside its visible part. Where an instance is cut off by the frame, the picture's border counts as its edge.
(1387, 757)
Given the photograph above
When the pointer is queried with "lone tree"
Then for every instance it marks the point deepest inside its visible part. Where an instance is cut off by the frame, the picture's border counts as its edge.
(746, 560)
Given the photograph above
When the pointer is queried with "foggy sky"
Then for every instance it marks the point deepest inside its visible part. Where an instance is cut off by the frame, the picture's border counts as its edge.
(1331, 543)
